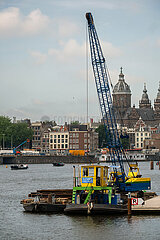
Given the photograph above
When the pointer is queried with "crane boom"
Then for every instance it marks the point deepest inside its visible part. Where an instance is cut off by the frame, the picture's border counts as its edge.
(132, 182)
(104, 95)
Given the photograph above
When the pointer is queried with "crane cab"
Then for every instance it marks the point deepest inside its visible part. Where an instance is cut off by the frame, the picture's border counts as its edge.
(94, 175)
(133, 171)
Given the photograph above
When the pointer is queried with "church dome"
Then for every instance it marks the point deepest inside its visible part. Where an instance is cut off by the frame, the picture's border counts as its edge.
(121, 87)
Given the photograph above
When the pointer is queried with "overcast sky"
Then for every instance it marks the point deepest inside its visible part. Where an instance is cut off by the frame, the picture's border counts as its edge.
(43, 56)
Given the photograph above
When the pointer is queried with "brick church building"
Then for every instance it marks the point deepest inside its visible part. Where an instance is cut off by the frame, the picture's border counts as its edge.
(127, 115)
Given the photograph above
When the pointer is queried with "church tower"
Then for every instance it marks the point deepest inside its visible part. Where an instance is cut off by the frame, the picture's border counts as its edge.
(145, 102)
(157, 105)
(121, 96)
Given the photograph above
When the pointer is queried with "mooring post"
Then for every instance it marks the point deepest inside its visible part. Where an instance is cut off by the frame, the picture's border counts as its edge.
(151, 165)
(74, 176)
(129, 204)
(78, 175)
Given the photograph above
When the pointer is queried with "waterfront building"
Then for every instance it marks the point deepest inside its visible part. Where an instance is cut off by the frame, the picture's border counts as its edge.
(59, 140)
(37, 128)
(142, 133)
(82, 137)
(45, 141)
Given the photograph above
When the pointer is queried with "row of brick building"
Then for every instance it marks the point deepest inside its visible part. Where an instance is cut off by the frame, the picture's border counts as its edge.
(51, 139)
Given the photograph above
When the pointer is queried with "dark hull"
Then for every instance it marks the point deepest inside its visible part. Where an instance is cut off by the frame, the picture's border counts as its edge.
(97, 209)
(16, 167)
(58, 164)
(44, 207)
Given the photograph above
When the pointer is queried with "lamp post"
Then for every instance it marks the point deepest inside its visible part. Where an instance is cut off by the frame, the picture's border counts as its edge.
(3, 140)
(11, 142)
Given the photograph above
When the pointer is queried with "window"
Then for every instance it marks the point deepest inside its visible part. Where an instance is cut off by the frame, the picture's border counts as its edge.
(66, 145)
(141, 139)
(145, 134)
(77, 140)
(62, 140)
(55, 136)
(73, 140)
(66, 140)
(54, 145)
(62, 136)
(77, 134)
(85, 140)
(51, 146)
(66, 136)
(137, 144)
(137, 139)
(62, 145)
(91, 172)
(70, 140)
(85, 172)
(58, 140)
(73, 134)
(85, 134)
(51, 140)
(141, 134)
(141, 144)
(137, 134)
(58, 145)
(55, 141)
(58, 136)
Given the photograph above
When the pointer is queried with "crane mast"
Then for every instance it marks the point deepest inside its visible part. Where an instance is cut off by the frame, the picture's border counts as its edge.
(104, 95)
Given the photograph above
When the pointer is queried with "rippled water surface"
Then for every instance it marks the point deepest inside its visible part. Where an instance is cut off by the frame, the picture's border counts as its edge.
(16, 224)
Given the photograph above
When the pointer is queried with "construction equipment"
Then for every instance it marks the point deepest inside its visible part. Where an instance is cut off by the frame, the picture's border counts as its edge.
(15, 149)
(123, 182)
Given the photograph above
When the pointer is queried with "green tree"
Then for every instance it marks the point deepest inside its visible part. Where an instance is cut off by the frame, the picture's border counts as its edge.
(14, 133)
(5, 123)
(102, 138)
(20, 132)
(75, 123)
(125, 142)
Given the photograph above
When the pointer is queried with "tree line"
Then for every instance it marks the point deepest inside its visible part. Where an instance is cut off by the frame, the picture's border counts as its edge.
(13, 134)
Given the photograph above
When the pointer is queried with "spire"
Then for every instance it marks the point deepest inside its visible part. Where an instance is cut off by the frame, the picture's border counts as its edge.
(145, 102)
(145, 95)
(121, 75)
(158, 94)
(157, 104)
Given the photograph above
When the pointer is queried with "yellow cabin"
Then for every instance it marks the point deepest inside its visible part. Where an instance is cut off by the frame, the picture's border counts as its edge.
(94, 175)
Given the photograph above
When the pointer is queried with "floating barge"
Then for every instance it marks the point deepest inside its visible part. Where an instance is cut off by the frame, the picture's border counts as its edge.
(47, 201)
(94, 192)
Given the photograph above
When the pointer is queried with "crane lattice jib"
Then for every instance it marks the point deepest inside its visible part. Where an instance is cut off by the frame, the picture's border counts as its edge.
(104, 93)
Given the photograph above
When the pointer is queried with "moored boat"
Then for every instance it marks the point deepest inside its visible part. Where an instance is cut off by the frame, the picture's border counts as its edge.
(59, 164)
(19, 167)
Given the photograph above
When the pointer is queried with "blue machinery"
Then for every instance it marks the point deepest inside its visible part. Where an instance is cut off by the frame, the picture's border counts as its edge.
(15, 149)
(105, 100)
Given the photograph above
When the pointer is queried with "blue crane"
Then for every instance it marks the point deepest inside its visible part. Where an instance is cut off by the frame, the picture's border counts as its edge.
(107, 111)
(15, 149)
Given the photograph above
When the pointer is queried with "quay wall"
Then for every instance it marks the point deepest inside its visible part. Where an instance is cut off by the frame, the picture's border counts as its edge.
(48, 159)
